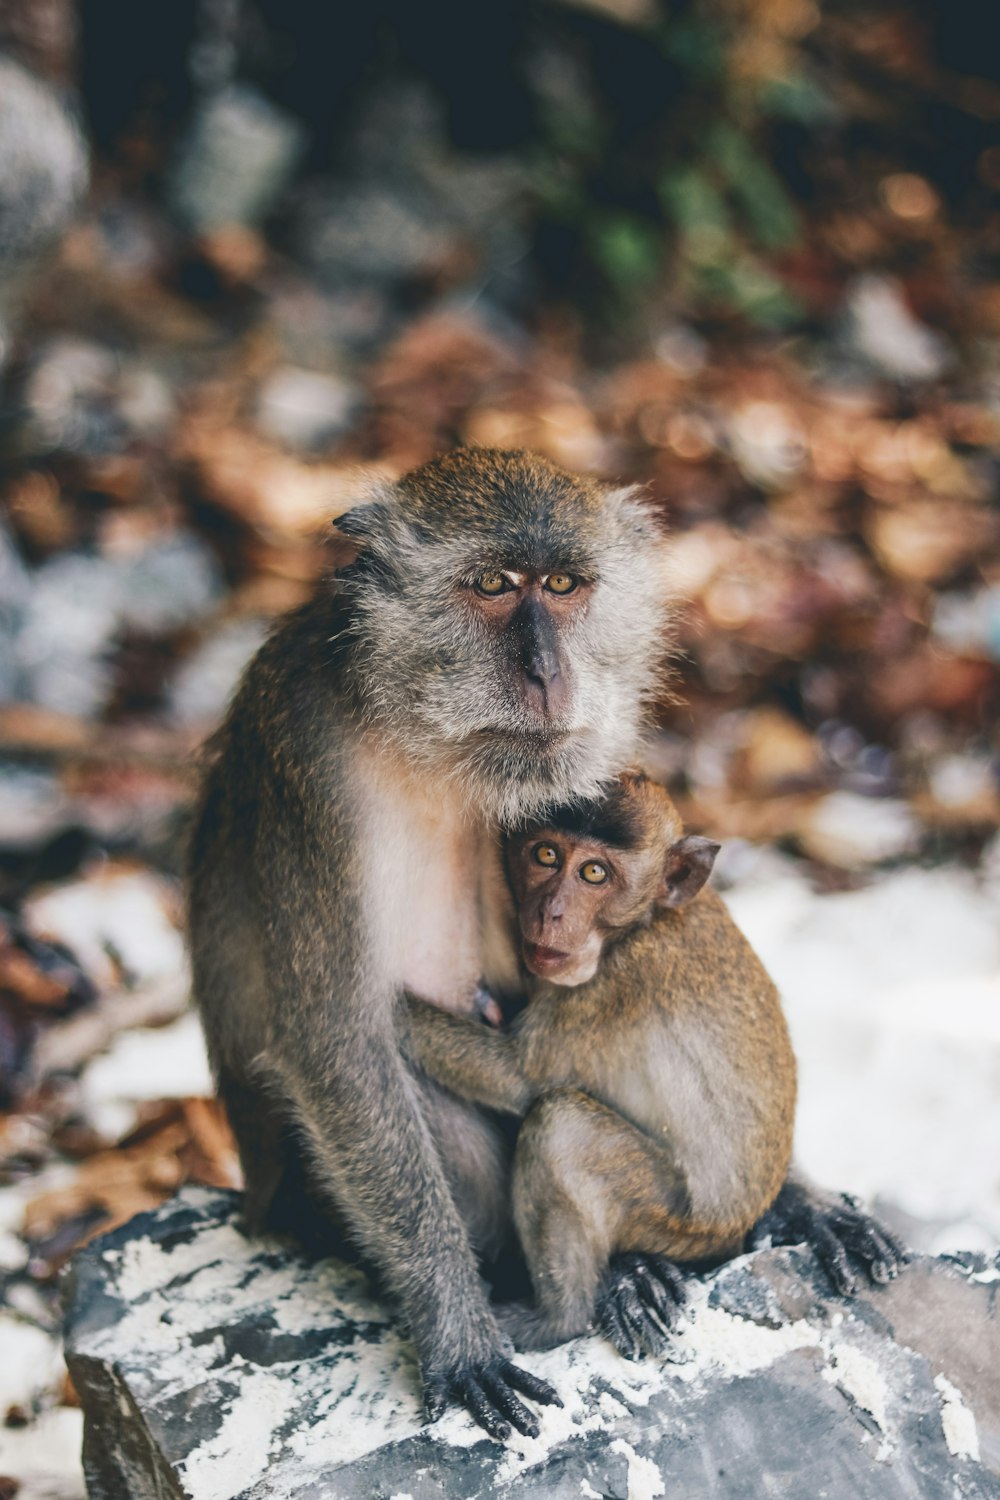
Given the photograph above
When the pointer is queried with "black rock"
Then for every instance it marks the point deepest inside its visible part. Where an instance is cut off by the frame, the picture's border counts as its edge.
(212, 1366)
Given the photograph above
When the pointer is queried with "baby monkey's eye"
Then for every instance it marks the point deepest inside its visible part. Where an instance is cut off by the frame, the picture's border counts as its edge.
(545, 854)
(593, 872)
(560, 583)
(491, 584)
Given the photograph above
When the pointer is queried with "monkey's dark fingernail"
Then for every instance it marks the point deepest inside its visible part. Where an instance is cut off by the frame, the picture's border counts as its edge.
(479, 1406)
(510, 1404)
(531, 1385)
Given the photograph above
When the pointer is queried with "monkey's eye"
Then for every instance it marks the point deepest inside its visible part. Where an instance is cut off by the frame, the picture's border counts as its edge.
(593, 872)
(491, 584)
(545, 854)
(560, 583)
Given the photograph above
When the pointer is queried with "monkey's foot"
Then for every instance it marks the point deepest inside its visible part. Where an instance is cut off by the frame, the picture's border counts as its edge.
(488, 1391)
(641, 1303)
(843, 1237)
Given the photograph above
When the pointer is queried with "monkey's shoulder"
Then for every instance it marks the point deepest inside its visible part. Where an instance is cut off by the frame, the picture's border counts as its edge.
(708, 951)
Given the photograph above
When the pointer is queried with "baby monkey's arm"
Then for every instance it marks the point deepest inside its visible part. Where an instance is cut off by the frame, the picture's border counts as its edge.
(474, 1061)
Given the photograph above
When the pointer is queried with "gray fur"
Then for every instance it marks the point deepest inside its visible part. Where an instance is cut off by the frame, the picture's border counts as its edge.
(378, 720)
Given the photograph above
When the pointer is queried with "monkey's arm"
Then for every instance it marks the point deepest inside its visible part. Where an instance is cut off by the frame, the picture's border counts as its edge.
(473, 1060)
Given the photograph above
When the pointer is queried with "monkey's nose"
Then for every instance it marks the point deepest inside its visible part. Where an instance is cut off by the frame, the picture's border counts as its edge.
(542, 692)
(543, 680)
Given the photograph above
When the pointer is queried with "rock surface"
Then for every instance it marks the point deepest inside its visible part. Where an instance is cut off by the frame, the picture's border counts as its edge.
(213, 1367)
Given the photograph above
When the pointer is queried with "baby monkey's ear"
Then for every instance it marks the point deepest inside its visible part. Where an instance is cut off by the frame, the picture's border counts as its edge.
(687, 866)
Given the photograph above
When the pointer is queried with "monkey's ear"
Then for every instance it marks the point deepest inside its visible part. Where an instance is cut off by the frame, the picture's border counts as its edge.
(687, 866)
(356, 529)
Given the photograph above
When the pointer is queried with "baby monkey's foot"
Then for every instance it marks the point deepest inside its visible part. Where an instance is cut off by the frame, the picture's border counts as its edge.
(843, 1237)
(641, 1303)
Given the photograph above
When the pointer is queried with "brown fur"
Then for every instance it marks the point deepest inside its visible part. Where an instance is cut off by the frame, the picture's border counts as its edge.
(658, 1097)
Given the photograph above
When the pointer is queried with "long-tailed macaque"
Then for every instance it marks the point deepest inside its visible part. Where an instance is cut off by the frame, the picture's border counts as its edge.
(652, 1068)
(487, 647)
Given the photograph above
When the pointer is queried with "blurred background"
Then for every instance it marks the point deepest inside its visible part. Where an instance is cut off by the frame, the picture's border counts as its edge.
(746, 253)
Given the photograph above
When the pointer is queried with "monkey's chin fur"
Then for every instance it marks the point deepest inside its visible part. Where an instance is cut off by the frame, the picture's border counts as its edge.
(513, 777)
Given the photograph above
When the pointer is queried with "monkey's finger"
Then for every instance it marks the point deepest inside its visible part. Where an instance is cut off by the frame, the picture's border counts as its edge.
(833, 1258)
(435, 1399)
(665, 1288)
(668, 1309)
(478, 1405)
(876, 1248)
(648, 1335)
(614, 1327)
(510, 1404)
(530, 1385)
(890, 1250)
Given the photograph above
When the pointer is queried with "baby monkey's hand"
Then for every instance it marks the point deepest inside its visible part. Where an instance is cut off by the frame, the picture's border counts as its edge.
(486, 1007)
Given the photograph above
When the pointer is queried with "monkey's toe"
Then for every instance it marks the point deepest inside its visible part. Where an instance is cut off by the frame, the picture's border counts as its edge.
(488, 1392)
(843, 1237)
(641, 1303)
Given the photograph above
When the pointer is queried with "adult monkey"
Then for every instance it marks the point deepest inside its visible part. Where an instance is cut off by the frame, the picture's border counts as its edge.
(490, 649)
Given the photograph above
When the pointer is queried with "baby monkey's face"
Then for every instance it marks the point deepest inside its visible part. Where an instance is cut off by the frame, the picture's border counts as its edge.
(590, 875)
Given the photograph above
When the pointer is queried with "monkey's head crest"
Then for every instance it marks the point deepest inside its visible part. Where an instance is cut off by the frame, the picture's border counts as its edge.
(508, 624)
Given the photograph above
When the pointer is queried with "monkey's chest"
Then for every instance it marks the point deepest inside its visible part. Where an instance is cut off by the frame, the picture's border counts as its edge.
(433, 895)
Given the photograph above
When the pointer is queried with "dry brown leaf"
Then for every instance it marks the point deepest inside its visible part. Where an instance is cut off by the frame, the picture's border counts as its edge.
(184, 1140)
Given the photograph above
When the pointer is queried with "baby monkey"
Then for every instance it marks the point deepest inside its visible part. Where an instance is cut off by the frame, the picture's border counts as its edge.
(651, 1068)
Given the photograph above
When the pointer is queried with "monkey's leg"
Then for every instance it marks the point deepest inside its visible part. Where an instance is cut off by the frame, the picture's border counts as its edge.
(587, 1184)
(475, 1152)
(259, 1132)
(837, 1229)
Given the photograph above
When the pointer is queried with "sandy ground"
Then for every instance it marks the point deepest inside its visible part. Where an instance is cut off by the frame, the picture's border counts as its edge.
(893, 997)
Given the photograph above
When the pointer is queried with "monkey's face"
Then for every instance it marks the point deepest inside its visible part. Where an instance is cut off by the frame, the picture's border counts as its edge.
(574, 896)
(596, 870)
(508, 624)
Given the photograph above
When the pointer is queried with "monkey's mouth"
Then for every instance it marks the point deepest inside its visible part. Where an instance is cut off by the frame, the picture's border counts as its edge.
(539, 738)
(542, 961)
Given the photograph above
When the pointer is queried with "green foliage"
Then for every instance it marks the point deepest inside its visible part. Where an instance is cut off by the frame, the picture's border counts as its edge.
(690, 199)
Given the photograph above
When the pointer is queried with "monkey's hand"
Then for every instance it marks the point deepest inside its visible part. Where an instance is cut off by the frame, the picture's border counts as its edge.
(836, 1228)
(640, 1303)
(487, 1007)
(488, 1391)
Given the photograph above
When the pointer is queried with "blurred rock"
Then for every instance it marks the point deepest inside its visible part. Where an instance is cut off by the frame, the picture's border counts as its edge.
(81, 602)
(964, 790)
(172, 582)
(883, 330)
(969, 624)
(43, 179)
(374, 231)
(304, 409)
(70, 623)
(69, 397)
(237, 159)
(848, 831)
(767, 442)
(120, 922)
(15, 592)
(204, 683)
(33, 806)
(145, 401)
